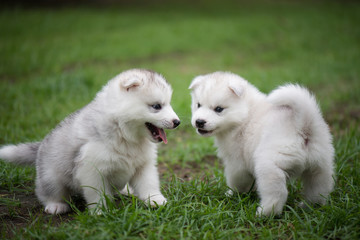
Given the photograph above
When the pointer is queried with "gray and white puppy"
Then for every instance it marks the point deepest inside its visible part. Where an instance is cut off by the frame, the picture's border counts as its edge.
(108, 143)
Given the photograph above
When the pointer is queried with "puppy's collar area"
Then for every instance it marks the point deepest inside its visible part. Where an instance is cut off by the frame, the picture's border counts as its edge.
(158, 134)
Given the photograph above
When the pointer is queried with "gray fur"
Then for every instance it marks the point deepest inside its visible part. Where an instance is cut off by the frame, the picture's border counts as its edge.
(102, 145)
(25, 153)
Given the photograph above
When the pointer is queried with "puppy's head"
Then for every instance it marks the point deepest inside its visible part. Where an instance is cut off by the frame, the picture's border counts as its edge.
(145, 103)
(218, 102)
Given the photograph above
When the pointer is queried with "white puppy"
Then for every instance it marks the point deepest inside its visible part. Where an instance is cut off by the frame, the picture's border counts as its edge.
(267, 138)
(105, 145)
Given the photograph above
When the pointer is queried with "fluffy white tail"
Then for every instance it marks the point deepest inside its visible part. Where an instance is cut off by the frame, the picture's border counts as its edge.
(24, 153)
(300, 100)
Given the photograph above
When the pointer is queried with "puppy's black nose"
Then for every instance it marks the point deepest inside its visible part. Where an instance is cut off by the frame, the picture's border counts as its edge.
(176, 122)
(200, 123)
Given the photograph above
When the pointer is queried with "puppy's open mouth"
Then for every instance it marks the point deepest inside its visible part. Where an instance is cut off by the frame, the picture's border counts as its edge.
(158, 134)
(204, 132)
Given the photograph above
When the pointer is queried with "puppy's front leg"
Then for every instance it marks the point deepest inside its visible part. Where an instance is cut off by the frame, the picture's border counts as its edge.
(94, 186)
(237, 179)
(146, 185)
(271, 183)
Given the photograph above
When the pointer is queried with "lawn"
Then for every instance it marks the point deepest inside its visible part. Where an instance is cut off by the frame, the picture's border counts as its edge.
(54, 60)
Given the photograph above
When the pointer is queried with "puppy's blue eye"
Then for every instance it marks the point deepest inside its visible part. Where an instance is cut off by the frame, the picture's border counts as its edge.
(198, 105)
(218, 109)
(156, 106)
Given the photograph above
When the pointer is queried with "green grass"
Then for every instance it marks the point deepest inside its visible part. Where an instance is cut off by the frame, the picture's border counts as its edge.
(53, 61)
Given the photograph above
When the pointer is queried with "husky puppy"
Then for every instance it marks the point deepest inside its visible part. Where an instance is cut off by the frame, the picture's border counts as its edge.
(105, 145)
(267, 138)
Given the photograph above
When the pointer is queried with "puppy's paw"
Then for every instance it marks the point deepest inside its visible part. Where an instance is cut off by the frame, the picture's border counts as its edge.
(157, 200)
(229, 193)
(303, 205)
(127, 190)
(57, 208)
(268, 211)
(96, 211)
(261, 213)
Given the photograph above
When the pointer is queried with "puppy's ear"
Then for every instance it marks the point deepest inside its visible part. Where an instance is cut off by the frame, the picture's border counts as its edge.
(130, 83)
(236, 88)
(196, 82)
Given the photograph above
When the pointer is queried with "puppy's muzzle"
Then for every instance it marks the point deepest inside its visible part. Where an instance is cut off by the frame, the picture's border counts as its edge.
(200, 123)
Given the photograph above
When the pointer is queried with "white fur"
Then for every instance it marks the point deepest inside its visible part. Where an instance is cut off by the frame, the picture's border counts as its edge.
(267, 138)
(103, 146)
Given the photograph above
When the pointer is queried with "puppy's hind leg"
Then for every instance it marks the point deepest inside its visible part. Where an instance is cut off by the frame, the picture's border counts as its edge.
(53, 195)
(317, 185)
(271, 183)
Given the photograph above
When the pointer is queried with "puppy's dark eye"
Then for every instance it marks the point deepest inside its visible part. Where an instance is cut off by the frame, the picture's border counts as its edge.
(156, 106)
(218, 109)
(198, 105)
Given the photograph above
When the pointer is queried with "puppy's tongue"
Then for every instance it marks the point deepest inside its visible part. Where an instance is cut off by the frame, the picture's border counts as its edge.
(162, 135)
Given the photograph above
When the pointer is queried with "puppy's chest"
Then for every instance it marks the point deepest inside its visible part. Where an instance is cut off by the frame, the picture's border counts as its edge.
(125, 158)
(134, 155)
(230, 150)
